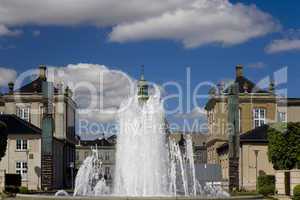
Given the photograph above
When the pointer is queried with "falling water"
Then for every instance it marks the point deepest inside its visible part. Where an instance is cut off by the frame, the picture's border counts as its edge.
(142, 157)
(90, 176)
(147, 162)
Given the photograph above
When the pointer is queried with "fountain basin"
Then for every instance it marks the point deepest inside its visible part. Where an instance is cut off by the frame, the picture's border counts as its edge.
(45, 197)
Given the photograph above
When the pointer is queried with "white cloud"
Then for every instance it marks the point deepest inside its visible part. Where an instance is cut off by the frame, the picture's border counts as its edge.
(200, 23)
(257, 65)
(4, 31)
(7, 75)
(192, 22)
(283, 45)
(97, 90)
(197, 112)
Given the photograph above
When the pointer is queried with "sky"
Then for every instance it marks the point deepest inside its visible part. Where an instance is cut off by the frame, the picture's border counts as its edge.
(172, 38)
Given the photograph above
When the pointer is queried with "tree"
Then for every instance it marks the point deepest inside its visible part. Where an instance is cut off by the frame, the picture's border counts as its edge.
(3, 139)
(284, 145)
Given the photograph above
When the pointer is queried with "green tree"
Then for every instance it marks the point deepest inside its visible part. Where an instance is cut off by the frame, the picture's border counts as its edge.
(3, 139)
(284, 145)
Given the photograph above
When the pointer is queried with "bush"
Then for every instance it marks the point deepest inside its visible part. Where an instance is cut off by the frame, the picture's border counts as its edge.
(296, 192)
(266, 185)
(23, 190)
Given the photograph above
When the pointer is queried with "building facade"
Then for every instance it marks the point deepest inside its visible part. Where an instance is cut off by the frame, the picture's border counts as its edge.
(23, 149)
(257, 107)
(28, 103)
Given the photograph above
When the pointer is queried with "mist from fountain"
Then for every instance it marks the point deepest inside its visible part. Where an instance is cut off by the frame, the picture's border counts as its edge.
(148, 163)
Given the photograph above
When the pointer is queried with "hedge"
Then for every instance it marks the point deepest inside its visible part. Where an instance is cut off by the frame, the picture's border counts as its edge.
(266, 185)
(296, 192)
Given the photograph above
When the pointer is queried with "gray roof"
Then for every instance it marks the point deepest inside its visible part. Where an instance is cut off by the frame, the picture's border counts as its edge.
(16, 125)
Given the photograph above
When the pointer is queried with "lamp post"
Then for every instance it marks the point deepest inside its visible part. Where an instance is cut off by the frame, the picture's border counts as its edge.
(256, 163)
(27, 161)
(72, 174)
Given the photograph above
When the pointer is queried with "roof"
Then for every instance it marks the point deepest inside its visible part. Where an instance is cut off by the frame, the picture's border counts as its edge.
(198, 138)
(248, 86)
(245, 85)
(33, 87)
(16, 125)
(112, 139)
(98, 142)
(257, 135)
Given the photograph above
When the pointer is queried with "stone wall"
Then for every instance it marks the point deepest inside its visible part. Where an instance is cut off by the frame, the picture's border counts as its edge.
(280, 182)
(295, 179)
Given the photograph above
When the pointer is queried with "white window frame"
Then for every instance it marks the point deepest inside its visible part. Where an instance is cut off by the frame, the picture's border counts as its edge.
(22, 168)
(23, 112)
(259, 116)
(280, 118)
(106, 156)
(21, 145)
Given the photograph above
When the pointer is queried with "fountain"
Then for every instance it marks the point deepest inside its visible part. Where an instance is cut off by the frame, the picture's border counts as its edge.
(147, 162)
(149, 165)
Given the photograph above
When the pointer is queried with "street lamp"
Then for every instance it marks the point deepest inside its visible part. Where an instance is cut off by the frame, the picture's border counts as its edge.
(27, 161)
(72, 174)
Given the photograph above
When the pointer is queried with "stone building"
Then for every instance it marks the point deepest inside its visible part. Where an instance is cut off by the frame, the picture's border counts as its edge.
(23, 150)
(28, 103)
(106, 149)
(257, 107)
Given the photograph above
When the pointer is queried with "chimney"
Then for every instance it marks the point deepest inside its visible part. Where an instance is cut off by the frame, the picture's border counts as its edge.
(11, 87)
(42, 72)
(239, 71)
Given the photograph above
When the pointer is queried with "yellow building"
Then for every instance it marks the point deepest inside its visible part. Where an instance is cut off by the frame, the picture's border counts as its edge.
(27, 103)
(257, 107)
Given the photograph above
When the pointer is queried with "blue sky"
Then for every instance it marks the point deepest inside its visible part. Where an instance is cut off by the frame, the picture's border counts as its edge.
(165, 59)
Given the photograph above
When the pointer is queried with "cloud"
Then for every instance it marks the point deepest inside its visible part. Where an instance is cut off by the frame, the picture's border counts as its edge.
(7, 75)
(97, 90)
(197, 112)
(257, 65)
(192, 22)
(283, 45)
(4, 31)
(201, 22)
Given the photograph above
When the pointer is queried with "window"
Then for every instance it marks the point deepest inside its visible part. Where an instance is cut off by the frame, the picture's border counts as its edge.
(21, 144)
(107, 171)
(106, 156)
(21, 168)
(23, 113)
(259, 117)
(281, 117)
